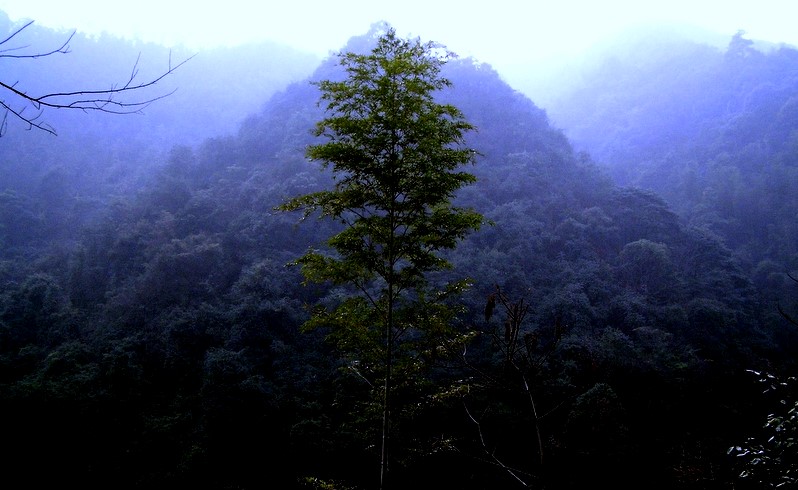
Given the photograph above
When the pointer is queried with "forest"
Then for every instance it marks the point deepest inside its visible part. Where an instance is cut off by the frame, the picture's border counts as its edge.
(626, 315)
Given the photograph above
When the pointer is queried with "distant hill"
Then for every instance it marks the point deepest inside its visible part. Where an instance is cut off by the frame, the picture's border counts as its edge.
(97, 156)
(213, 93)
(711, 129)
(150, 327)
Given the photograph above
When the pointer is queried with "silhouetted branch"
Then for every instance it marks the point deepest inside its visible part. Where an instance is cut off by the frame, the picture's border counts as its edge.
(63, 49)
(104, 100)
(522, 355)
(787, 316)
(783, 313)
(491, 453)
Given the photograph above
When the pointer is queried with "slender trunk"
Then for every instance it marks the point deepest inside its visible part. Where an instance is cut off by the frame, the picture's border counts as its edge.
(391, 262)
(535, 414)
(386, 419)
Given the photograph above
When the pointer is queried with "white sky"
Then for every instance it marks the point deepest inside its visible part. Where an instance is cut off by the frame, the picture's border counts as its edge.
(499, 32)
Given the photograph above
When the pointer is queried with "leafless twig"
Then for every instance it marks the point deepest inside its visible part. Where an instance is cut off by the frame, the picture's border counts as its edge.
(492, 454)
(110, 100)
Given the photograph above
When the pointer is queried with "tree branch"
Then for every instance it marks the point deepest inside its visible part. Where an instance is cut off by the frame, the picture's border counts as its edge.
(109, 100)
(491, 454)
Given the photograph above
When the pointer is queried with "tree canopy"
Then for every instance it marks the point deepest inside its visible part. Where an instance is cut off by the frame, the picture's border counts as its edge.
(150, 333)
(395, 155)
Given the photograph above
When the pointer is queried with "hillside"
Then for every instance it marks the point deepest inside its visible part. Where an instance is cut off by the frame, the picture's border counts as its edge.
(712, 130)
(62, 182)
(149, 326)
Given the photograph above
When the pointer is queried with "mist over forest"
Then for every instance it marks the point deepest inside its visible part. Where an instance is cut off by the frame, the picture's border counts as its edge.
(641, 236)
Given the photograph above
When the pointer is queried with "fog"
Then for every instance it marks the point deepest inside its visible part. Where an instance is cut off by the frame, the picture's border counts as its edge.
(524, 41)
(632, 283)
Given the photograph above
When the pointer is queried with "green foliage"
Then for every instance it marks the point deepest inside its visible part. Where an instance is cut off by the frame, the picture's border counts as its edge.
(317, 484)
(392, 150)
(770, 459)
(647, 266)
(728, 164)
(161, 348)
(395, 154)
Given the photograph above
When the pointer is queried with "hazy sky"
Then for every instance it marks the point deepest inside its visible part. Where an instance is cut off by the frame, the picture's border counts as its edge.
(499, 32)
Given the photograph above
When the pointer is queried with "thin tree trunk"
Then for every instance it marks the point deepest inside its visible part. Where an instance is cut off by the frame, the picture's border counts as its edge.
(386, 419)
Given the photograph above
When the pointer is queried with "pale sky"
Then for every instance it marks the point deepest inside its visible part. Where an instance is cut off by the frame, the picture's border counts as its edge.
(499, 32)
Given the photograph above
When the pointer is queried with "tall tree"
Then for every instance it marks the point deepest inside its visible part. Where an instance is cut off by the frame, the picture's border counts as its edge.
(395, 154)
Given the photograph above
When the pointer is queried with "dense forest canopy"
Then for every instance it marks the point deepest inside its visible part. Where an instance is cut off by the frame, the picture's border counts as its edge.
(636, 265)
(711, 130)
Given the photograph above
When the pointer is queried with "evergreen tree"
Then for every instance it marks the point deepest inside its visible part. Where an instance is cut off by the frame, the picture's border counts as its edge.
(395, 155)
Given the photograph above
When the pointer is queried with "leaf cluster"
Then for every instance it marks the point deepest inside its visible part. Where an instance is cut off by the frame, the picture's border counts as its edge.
(394, 152)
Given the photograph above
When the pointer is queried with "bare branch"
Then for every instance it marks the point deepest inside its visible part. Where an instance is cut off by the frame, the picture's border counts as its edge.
(63, 49)
(31, 121)
(783, 313)
(491, 454)
(787, 315)
(109, 100)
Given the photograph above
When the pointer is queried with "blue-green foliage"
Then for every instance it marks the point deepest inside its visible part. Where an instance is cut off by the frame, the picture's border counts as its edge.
(149, 331)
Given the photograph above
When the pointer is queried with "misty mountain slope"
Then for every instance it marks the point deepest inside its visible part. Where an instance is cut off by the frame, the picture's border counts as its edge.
(711, 130)
(189, 275)
(66, 180)
(548, 81)
(562, 229)
(164, 345)
(206, 97)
